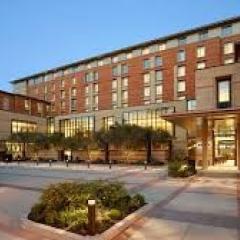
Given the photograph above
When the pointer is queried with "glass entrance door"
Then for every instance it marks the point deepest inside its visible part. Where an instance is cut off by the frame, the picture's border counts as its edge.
(224, 142)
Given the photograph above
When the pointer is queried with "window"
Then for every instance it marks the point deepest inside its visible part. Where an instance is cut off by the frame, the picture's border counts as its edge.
(146, 64)
(226, 30)
(159, 90)
(181, 86)
(70, 127)
(27, 104)
(115, 71)
(148, 118)
(18, 126)
(182, 41)
(124, 69)
(162, 47)
(228, 60)
(108, 122)
(124, 95)
(95, 88)
(62, 94)
(114, 84)
(146, 102)
(95, 100)
(201, 65)
(224, 93)
(203, 35)
(158, 61)
(125, 82)
(228, 48)
(73, 92)
(145, 51)
(181, 56)
(74, 81)
(39, 107)
(86, 90)
(91, 76)
(146, 78)
(201, 51)
(114, 97)
(181, 71)
(147, 92)
(159, 76)
(73, 104)
(86, 101)
(62, 83)
(63, 105)
(191, 105)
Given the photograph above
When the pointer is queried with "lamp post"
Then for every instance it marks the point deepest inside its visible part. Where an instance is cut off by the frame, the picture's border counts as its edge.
(110, 164)
(67, 163)
(88, 163)
(92, 216)
(50, 162)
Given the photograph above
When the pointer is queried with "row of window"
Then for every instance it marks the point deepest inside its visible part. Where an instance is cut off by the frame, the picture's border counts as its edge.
(225, 31)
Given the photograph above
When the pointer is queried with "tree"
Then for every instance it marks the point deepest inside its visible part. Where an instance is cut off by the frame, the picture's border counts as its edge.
(38, 142)
(57, 141)
(126, 137)
(23, 138)
(103, 140)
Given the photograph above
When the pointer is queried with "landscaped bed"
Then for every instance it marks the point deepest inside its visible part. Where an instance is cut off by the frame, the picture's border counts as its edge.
(64, 205)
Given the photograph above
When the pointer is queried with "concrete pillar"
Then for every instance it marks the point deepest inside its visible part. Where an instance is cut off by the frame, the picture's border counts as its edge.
(238, 141)
(204, 133)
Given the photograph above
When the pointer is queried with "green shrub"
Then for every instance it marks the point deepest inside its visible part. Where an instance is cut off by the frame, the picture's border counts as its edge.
(178, 169)
(115, 214)
(64, 205)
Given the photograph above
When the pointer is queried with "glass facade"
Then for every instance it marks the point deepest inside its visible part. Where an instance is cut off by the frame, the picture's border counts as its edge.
(108, 122)
(148, 118)
(69, 127)
(18, 126)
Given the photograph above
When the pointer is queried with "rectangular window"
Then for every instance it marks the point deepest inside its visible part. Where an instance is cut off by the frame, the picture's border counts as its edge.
(158, 76)
(95, 100)
(181, 86)
(114, 97)
(73, 92)
(124, 95)
(73, 104)
(159, 90)
(95, 88)
(63, 105)
(74, 81)
(181, 56)
(181, 71)
(191, 105)
(182, 41)
(18, 126)
(158, 61)
(162, 47)
(147, 92)
(114, 84)
(203, 35)
(146, 64)
(201, 65)
(39, 107)
(125, 82)
(86, 101)
(226, 30)
(115, 71)
(27, 104)
(224, 93)
(62, 83)
(228, 60)
(124, 69)
(108, 122)
(62, 94)
(146, 78)
(201, 52)
(228, 48)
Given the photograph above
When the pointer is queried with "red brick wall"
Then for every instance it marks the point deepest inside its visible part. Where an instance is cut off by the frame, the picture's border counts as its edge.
(214, 57)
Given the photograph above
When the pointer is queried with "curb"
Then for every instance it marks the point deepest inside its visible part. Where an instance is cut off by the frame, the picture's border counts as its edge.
(111, 233)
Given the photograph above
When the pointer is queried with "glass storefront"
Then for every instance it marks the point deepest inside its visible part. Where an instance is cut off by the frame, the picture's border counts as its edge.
(69, 127)
(148, 118)
(23, 126)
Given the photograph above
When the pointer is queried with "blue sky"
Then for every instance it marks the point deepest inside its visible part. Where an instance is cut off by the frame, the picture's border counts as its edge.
(41, 34)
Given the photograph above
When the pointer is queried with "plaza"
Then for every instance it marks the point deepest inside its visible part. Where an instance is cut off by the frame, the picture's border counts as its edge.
(205, 206)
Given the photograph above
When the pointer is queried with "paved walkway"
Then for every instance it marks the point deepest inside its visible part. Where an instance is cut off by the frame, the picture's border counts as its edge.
(205, 207)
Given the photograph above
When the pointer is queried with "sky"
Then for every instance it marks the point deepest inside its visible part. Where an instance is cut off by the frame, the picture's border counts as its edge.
(36, 35)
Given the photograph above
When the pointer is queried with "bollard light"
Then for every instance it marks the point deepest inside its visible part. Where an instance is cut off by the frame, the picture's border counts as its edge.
(50, 162)
(92, 216)
(110, 164)
(37, 162)
(67, 162)
(88, 163)
(145, 165)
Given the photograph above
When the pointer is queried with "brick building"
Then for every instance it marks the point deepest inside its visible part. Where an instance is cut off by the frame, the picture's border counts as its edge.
(179, 82)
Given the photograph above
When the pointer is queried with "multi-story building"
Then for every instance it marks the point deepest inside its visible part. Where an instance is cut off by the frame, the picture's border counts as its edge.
(19, 113)
(183, 83)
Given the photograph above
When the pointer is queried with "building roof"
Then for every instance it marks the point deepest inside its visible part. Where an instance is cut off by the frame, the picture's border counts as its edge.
(133, 47)
(21, 95)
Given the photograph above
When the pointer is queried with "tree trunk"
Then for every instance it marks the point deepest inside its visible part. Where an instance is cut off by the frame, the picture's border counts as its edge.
(24, 151)
(149, 150)
(106, 153)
